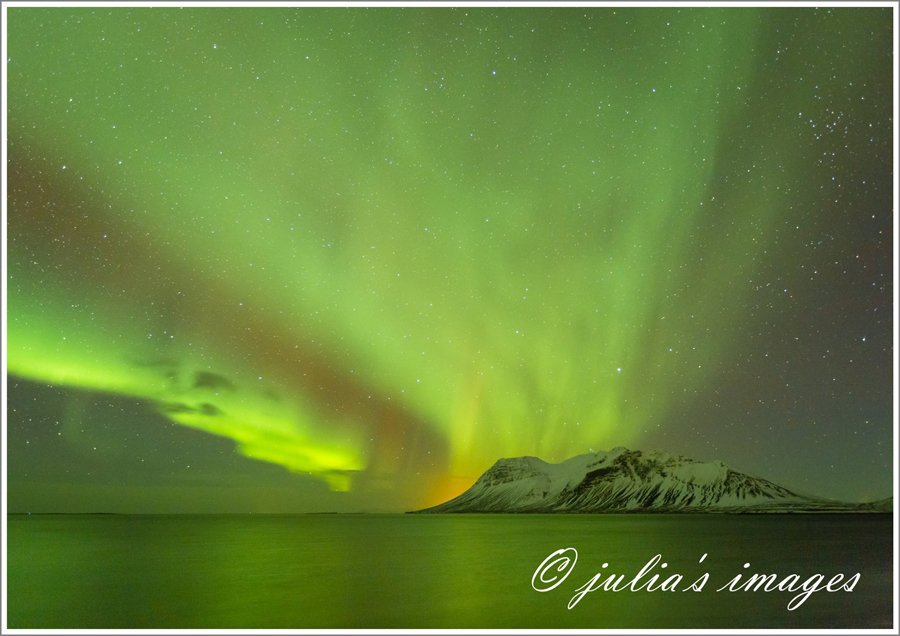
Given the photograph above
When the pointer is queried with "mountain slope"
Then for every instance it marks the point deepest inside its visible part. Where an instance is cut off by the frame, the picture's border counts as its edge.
(623, 480)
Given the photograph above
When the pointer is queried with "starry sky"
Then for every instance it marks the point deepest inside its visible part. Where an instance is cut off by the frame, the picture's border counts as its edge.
(302, 259)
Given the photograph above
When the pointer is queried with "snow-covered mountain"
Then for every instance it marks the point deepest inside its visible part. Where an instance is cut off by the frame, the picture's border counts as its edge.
(623, 480)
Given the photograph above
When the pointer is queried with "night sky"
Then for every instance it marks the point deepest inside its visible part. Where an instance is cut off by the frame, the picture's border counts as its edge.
(296, 259)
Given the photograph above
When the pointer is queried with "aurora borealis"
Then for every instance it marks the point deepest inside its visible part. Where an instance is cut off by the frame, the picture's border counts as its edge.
(295, 258)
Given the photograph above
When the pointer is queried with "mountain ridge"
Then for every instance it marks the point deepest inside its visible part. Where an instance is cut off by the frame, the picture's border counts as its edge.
(623, 480)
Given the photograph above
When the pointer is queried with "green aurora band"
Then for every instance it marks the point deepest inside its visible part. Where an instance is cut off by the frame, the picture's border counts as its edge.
(396, 241)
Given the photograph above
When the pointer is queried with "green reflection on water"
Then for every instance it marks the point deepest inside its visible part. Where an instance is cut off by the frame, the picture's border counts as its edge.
(440, 571)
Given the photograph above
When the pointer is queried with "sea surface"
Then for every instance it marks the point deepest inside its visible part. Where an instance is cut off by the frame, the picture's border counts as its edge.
(438, 571)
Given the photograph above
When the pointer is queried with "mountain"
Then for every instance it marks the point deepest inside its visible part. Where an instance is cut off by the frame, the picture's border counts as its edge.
(623, 480)
(882, 505)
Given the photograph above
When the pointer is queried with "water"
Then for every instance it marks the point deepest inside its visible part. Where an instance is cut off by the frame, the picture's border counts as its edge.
(438, 571)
